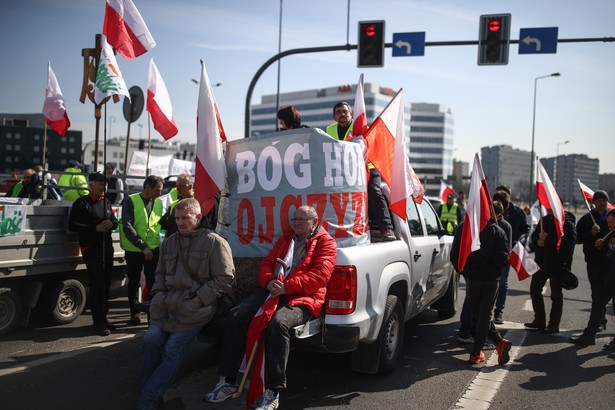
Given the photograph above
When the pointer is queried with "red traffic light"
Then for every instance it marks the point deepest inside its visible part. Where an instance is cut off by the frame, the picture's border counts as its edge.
(494, 25)
(370, 30)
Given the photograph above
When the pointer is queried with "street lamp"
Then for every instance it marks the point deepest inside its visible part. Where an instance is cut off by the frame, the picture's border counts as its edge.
(533, 156)
(111, 122)
(555, 162)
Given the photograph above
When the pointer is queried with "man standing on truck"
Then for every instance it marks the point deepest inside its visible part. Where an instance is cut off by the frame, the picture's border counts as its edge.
(72, 182)
(306, 258)
(482, 273)
(28, 187)
(140, 238)
(195, 269)
(377, 205)
(92, 217)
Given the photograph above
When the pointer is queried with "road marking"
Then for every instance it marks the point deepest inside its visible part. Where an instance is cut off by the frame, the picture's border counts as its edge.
(66, 355)
(484, 387)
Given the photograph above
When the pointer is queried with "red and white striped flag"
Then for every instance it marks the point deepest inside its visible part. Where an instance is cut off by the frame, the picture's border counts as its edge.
(359, 116)
(478, 213)
(588, 194)
(125, 29)
(445, 191)
(53, 107)
(547, 196)
(159, 103)
(210, 167)
(387, 151)
(521, 262)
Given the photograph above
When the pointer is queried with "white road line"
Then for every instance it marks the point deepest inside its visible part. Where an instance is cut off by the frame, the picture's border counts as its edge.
(66, 355)
(484, 387)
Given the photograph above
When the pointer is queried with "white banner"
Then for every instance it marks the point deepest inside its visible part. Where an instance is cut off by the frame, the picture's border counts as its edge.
(12, 219)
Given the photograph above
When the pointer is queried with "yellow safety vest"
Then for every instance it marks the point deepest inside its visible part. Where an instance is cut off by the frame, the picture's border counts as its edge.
(17, 189)
(73, 179)
(449, 216)
(147, 227)
(332, 130)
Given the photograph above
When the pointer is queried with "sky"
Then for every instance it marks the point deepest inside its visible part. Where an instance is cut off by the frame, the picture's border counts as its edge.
(491, 105)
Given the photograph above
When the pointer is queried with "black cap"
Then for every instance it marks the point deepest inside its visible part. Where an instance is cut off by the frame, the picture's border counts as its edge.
(451, 196)
(74, 163)
(600, 195)
(111, 165)
(96, 176)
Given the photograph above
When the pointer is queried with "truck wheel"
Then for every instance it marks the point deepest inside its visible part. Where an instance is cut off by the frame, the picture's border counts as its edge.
(66, 301)
(10, 311)
(391, 336)
(447, 306)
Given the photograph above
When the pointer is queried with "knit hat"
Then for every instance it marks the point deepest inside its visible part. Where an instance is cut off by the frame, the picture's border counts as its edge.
(600, 195)
(96, 176)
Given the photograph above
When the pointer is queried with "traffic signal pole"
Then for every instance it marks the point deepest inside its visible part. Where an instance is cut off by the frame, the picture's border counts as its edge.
(348, 47)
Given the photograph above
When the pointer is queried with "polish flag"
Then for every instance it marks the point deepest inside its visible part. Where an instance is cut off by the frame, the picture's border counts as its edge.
(415, 184)
(588, 194)
(521, 262)
(125, 29)
(550, 200)
(159, 103)
(53, 107)
(477, 215)
(210, 167)
(445, 190)
(387, 151)
(359, 117)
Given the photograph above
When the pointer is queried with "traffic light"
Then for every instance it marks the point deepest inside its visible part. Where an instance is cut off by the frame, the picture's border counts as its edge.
(494, 39)
(370, 46)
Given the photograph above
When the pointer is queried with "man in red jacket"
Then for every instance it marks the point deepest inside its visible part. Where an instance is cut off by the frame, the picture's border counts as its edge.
(309, 251)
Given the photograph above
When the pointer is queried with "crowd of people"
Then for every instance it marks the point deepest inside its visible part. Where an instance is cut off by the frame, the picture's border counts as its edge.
(188, 268)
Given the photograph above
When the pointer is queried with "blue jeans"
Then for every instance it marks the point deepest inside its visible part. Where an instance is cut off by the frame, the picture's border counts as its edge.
(502, 291)
(163, 354)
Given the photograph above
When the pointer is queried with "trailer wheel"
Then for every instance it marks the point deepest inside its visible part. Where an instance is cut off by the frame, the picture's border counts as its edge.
(391, 336)
(10, 311)
(66, 301)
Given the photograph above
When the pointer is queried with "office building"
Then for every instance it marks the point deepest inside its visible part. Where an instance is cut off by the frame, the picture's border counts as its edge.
(566, 170)
(505, 165)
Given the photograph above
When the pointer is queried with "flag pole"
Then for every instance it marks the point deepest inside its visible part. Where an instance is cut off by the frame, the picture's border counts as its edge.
(248, 367)
(44, 144)
(588, 208)
(149, 144)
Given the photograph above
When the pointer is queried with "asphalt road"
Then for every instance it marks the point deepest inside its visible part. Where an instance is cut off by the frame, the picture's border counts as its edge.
(70, 368)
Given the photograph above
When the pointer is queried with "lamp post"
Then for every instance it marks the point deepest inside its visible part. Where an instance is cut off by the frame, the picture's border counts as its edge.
(555, 162)
(111, 122)
(533, 156)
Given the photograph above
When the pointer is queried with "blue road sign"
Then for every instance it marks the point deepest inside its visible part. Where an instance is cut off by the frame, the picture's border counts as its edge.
(538, 40)
(408, 44)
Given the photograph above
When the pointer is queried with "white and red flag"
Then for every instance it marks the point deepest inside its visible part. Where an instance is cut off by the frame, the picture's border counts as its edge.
(478, 213)
(359, 116)
(53, 107)
(125, 29)
(445, 191)
(550, 200)
(210, 167)
(159, 103)
(109, 80)
(387, 151)
(588, 194)
(522, 262)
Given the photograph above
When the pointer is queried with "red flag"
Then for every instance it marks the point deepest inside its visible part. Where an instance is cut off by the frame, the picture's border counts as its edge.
(210, 167)
(387, 151)
(253, 341)
(588, 194)
(445, 190)
(521, 262)
(53, 107)
(359, 116)
(125, 29)
(550, 200)
(159, 103)
(477, 214)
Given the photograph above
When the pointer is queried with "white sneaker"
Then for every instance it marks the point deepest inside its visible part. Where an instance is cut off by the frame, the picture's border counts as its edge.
(221, 392)
(268, 401)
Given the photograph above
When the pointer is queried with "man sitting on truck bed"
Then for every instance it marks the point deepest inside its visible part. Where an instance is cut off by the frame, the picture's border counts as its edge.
(296, 271)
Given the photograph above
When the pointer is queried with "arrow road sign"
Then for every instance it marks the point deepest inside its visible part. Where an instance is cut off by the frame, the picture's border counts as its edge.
(538, 40)
(408, 44)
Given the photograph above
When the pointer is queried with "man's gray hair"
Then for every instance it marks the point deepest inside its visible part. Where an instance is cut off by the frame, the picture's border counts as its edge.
(189, 204)
(186, 177)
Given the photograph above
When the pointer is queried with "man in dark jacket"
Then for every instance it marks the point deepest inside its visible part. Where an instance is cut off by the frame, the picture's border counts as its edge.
(482, 273)
(310, 252)
(591, 227)
(28, 187)
(91, 216)
(552, 261)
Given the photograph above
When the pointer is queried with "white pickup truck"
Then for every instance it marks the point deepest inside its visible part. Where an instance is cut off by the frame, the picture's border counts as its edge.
(376, 286)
